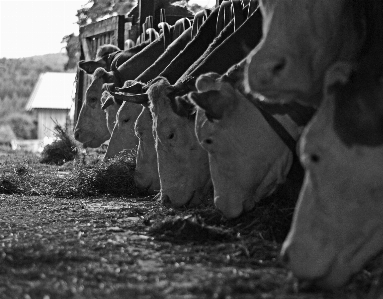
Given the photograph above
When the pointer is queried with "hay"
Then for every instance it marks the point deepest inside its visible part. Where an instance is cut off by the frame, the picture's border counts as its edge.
(79, 178)
(114, 177)
(189, 229)
(61, 150)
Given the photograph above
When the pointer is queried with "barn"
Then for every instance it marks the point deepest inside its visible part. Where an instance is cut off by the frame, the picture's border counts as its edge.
(52, 99)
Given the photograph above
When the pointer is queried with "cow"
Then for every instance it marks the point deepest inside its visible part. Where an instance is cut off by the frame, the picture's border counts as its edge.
(146, 173)
(91, 129)
(338, 222)
(182, 164)
(248, 156)
(123, 136)
(301, 39)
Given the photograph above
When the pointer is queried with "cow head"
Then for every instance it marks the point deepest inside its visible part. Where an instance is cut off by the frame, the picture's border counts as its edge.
(123, 137)
(146, 172)
(338, 223)
(301, 39)
(91, 128)
(104, 57)
(247, 158)
(183, 165)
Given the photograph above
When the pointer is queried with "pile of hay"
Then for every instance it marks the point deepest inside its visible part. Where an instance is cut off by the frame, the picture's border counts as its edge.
(114, 177)
(61, 150)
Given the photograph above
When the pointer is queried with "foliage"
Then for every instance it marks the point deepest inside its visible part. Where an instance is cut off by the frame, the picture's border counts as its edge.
(72, 49)
(22, 124)
(98, 9)
(101, 8)
(10, 105)
(6, 134)
(62, 150)
(19, 76)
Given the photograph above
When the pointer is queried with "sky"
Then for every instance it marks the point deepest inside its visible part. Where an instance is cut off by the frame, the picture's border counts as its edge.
(36, 27)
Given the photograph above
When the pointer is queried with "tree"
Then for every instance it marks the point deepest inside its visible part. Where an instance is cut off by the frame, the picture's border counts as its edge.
(102, 8)
(72, 49)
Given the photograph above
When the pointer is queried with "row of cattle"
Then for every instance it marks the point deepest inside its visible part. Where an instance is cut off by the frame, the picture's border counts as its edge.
(223, 105)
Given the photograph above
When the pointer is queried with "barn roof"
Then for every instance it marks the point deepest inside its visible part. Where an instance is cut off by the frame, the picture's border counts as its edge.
(53, 91)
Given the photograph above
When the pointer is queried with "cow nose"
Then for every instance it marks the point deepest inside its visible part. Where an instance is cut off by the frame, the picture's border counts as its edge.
(165, 199)
(77, 134)
(285, 256)
(266, 72)
(272, 69)
(140, 181)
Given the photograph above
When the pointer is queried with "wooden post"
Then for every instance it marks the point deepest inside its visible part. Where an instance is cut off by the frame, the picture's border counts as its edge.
(121, 32)
(79, 89)
(146, 9)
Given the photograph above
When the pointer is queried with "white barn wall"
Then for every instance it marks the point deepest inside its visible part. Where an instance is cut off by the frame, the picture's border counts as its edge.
(47, 119)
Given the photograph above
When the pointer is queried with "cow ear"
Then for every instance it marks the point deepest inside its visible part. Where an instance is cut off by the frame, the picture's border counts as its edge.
(182, 106)
(207, 82)
(90, 66)
(211, 102)
(131, 86)
(109, 101)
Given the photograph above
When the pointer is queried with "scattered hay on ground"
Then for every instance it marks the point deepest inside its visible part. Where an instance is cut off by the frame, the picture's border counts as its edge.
(79, 178)
(189, 228)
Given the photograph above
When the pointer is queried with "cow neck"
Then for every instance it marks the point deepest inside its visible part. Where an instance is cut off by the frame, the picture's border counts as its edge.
(193, 50)
(296, 171)
(119, 80)
(300, 114)
(275, 125)
(246, 37)
(165, 59)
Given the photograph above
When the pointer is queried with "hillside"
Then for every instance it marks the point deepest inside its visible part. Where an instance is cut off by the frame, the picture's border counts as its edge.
(18, 76)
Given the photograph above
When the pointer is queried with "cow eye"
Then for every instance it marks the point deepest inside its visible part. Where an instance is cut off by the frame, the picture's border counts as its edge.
(126, 120)
(93, 100)
(171, 136)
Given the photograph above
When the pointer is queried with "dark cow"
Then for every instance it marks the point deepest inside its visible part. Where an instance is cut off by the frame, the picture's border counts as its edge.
(338, 222)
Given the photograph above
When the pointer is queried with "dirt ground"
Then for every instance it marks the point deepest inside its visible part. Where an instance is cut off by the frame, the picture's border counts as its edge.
(109, 247)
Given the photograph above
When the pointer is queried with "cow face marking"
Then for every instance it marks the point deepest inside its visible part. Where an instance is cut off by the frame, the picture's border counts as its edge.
(338, 224)
(123, 136)
(182, 164)
(301, 39)
(247, 158)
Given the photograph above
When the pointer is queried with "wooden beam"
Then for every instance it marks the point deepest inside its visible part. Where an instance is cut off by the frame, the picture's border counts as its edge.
(146, 9)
